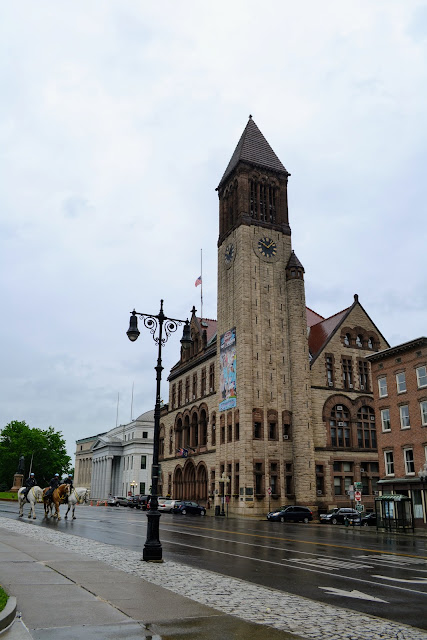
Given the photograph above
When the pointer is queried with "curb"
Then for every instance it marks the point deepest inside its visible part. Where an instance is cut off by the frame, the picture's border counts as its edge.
(7, 616)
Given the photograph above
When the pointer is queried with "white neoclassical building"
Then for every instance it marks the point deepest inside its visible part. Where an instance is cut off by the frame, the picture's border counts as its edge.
(117, 462)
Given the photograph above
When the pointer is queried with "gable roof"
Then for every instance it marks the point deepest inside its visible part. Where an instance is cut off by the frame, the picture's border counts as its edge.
(321, 332)
(254, 149)
(312, 317)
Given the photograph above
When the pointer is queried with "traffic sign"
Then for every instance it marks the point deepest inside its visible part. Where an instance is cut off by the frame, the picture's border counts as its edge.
(357, 496)
(358, 486)
(269, 491)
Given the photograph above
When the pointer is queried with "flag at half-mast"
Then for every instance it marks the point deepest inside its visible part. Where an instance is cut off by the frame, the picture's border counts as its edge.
(198, 281)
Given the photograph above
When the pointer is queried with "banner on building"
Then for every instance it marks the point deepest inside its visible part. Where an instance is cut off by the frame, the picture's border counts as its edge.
(227, 370)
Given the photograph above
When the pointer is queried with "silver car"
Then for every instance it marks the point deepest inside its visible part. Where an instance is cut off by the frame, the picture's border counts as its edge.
(167, 505)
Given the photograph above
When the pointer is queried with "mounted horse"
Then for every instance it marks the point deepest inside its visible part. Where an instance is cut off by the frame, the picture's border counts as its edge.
(34, 495)
(58, 497)
(78, 495)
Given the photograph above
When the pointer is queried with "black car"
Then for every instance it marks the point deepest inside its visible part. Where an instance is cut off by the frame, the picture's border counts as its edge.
(290, 514)
(185, 506)
(370, 520)
(140, 502)
(341, 516)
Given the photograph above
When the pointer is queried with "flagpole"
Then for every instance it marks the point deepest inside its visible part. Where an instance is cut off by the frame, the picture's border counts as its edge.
(201, 287)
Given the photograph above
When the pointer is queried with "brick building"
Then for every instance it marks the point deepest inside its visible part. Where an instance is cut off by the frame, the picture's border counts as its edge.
(400, 397)
(273, 403)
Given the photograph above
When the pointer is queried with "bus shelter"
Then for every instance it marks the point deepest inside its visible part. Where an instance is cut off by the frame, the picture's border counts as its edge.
(394, 512)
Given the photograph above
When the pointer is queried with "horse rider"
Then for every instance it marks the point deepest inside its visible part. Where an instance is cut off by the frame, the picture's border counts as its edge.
(29, 483)
(53, 484)
(68, 480)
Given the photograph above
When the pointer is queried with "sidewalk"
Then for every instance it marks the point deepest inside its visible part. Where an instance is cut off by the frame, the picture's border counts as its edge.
(62, 595)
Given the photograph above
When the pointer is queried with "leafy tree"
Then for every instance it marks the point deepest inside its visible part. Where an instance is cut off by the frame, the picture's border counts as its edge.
(44, 452)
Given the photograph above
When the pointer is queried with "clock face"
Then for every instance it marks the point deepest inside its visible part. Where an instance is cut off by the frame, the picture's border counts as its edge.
(267, 247)
(229, 253)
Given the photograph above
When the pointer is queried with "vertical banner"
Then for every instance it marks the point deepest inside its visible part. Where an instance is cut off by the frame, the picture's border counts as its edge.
(227, 370)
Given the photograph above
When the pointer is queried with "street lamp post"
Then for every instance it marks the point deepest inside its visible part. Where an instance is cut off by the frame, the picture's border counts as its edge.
(152, 547)
(133, 485)
(422, 474)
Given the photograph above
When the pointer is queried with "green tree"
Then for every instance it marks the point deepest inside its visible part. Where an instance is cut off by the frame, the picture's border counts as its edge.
(44, 452)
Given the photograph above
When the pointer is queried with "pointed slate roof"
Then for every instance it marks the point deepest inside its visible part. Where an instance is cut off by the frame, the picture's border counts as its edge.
(254, 149)
(294, 262)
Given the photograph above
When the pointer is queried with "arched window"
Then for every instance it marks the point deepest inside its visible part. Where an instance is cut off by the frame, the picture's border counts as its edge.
(203, 428)
(366, 428)
(347, 339)
(178, 436)
(359, 341)
(213, 430)
(339, 424)
(194, 436)
(370, 343)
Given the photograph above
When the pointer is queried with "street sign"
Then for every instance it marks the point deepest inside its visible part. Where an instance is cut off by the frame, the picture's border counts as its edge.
(358, 486)
(269, 491)
(360, 507)
(357, 496)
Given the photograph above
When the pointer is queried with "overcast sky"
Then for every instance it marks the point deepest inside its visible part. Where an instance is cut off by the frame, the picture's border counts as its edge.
(118, 119)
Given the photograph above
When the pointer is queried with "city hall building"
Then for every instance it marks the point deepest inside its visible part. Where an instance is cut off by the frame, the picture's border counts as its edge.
(272, 405)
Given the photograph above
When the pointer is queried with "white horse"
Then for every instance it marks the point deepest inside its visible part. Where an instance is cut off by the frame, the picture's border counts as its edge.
(78, 495)
(35, 494)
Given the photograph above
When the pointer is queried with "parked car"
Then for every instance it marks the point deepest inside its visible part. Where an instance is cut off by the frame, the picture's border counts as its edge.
(339, 516)
(291, 514)
(369, 520)
(116, 501)
(139, 502)
(167, 505)
(185, 506)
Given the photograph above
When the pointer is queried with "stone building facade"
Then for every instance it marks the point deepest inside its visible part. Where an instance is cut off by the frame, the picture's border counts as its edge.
(117, 462)
(269, 406)
(400, 400)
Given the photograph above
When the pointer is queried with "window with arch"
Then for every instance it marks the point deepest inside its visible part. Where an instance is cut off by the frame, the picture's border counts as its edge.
(366, 428)
(347, 339)
(339, 424)
(370, 343)
(213, 430)
(359, 341)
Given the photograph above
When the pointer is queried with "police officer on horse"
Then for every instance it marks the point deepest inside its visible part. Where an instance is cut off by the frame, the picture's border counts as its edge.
(53, 484)
(68, 480)
(29, 483)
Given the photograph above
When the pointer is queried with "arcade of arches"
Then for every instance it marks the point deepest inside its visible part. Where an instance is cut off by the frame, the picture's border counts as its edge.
(190, 482)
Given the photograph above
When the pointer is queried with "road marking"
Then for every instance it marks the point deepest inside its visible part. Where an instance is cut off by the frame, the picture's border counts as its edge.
(287, 564)
(352, 594)
(419, 580)
(329, 563)
(296, 540)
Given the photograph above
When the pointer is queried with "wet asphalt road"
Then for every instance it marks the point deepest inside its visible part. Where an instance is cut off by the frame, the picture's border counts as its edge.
(370, 572)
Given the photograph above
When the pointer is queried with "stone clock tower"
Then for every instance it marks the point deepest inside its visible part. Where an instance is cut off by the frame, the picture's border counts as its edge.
(263, 359)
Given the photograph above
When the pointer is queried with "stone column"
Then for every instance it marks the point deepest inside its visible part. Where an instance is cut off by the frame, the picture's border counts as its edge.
(108, 475)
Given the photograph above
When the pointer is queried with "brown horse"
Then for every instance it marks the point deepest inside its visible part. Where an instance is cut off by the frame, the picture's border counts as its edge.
(58, 497)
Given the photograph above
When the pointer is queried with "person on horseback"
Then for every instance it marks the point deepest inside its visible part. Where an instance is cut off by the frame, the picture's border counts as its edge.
(29, 483)
(68, 480)
(53, 484)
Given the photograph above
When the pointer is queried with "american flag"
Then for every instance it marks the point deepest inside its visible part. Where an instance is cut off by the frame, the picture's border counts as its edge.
(198, 281)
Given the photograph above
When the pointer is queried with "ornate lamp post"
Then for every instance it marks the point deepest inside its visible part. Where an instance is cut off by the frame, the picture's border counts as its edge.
(153, 548)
